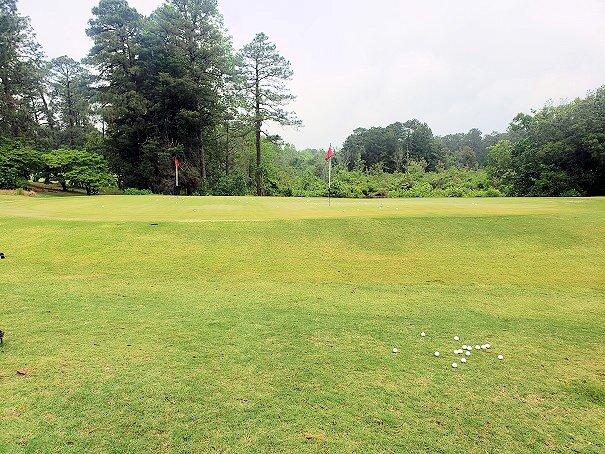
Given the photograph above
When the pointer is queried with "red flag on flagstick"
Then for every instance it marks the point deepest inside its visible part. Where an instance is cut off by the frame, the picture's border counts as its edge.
(177, 163)
(330, 153)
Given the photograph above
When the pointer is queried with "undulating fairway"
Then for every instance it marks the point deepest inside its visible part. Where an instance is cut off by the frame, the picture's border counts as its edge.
(155, 324)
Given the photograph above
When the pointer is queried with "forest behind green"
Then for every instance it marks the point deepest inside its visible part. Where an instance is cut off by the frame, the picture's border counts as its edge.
(172, 85)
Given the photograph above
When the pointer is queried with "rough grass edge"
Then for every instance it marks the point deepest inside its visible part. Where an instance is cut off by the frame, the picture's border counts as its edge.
(18, 191)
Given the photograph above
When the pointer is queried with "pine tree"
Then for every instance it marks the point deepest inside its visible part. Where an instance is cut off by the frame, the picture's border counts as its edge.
(187, 47)
(264, 74)
(21, 71)
(70, 94)
(115, 30)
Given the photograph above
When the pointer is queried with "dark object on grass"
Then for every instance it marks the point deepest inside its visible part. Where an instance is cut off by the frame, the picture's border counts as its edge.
(1, 336)
(2, 256)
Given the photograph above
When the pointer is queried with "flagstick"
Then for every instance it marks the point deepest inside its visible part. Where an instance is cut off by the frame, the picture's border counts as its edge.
(330, 183)
(176, 168)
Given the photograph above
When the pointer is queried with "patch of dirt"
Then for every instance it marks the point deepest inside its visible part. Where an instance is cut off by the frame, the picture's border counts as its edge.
(315, 436)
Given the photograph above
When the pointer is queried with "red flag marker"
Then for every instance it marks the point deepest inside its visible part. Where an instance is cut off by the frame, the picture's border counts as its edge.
(330, 153)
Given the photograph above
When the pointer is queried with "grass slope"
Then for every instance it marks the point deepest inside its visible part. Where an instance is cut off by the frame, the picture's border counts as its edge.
(267, 324)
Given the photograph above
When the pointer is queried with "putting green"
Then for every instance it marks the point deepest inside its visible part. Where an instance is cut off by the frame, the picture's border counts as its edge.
(243, 324)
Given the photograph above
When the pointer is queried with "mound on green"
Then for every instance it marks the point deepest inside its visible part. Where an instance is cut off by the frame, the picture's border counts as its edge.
(158, 324)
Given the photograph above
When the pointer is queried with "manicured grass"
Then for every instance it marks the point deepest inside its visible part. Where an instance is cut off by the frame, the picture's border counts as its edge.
(267, 325)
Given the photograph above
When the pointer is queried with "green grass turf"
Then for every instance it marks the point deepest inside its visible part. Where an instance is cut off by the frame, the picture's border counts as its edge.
(267, 325)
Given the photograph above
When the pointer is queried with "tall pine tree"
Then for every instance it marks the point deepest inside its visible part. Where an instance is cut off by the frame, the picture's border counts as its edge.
(115, 30)
(264, 74)
(21, 75)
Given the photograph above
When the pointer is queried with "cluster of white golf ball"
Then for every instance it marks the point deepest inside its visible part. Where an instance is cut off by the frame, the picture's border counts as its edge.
(465, 351)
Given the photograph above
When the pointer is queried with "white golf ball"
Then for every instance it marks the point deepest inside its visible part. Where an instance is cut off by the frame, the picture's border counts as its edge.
(456, 352)
(437, 354)
(464, 347)
(477, 347)
(456, 338)
(484, 347)
(500, 357)
(463, 360)
(423, 334)
(488, 345)
(455, 365)
(395, 350)
(468, 353)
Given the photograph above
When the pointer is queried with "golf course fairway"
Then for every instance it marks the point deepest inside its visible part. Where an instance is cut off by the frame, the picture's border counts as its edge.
(165, 324)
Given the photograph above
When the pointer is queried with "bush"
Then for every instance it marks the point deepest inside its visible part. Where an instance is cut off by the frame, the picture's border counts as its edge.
(17, 165)
(492, 192)
(78, 168)
(413, 184)
(232, 185)
(308, 185)
(9, 178)
(420, 189)
(135, 191)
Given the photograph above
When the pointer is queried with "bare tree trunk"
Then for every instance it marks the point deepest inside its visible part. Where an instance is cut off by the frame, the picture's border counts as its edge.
(259, 183)
(227, 152)
(202, 159)
(34, 110)
(49, 118)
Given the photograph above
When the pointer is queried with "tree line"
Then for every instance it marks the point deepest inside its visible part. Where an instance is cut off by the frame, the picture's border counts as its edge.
(171, 85)
(152, 89)
(555, 151)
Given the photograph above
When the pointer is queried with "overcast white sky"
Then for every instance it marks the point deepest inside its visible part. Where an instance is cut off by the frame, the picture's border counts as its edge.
(454, 64)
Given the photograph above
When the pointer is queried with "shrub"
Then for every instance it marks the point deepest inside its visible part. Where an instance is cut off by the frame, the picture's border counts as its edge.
(17, 165)
(135, 191)
(415, 183)
(232, 185)
(9, 178)
(78, 168)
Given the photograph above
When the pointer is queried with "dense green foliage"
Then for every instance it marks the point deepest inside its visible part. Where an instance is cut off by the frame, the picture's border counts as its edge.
(414, 183)
(20, 164)
(557, 151)
(392, 148)
(134, 191)
(21, 75)
(17, 164)
(396, 146)
(303, 174)
(71, 98)
(164, 86)
(79, 169)
(160, 80)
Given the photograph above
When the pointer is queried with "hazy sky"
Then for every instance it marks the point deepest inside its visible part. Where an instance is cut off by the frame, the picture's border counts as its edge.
(454, 64)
